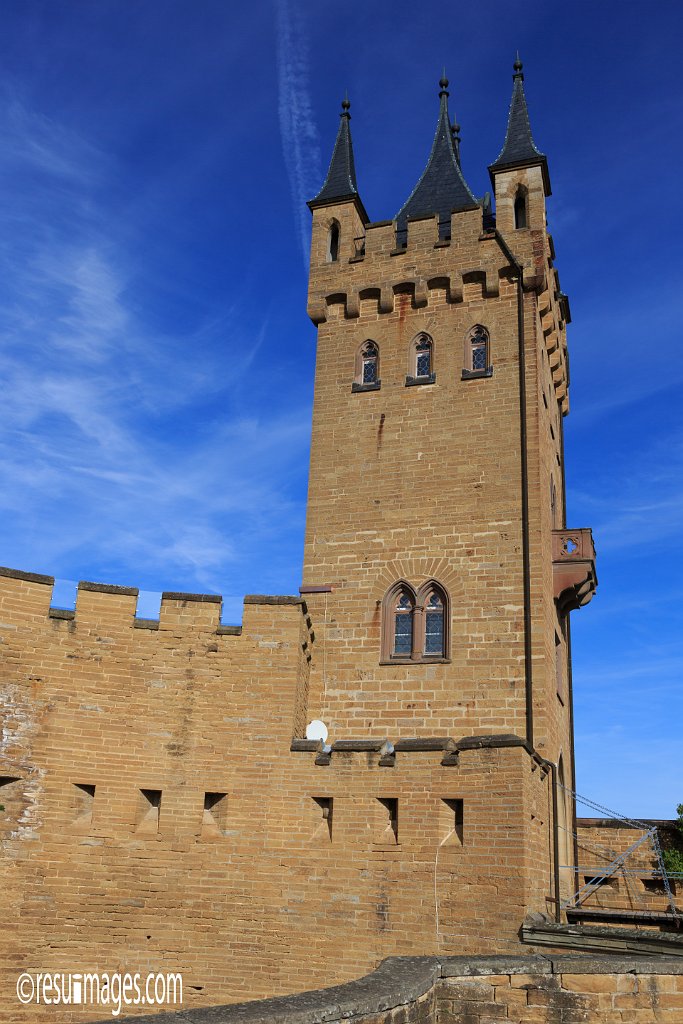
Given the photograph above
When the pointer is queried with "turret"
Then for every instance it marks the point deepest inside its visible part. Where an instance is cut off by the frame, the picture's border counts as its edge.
(339, 217)
(519, 175)
(442, 188)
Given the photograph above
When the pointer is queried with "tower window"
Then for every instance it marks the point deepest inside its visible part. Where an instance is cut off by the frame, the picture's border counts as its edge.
(421, 361)
(477, 354)
(333, 243)
(415, 624)
(403, 626)
(367, 368)
(370, 357)
(434, 625)
(520, 210)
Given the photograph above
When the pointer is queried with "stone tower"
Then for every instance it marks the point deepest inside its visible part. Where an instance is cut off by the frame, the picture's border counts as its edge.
(437, 560)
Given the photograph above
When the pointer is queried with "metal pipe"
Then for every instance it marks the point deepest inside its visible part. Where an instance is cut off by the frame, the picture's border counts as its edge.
(524, 472)
(556, 842)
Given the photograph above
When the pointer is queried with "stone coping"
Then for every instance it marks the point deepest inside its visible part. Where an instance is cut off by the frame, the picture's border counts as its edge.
(632, 822)
(29, 577)
(399, 981)
(108, 588)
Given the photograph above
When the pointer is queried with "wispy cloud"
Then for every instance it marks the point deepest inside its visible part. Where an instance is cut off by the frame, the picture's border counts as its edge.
(298, 130)
(111, 458)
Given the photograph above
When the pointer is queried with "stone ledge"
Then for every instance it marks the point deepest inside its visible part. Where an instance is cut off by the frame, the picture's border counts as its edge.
(634, 823)
(573, 964)
(429, 743)
(480, 966)
(29, 577)
(596, 939)
(108, 588)
(61, 613)
(171, 595)
(400, 981)
(269, 599)
(396, 982)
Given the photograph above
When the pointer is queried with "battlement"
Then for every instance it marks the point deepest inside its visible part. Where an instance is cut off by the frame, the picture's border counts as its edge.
(26, 597)
(378, 270)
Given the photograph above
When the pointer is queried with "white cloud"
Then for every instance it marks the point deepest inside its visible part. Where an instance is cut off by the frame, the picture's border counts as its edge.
(109, 453)
(298, 129)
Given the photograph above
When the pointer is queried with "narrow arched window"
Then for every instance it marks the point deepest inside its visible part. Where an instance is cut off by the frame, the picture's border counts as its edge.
(434, 626)
(479, 348)
(477, 359)
(404, 608)
(520, 210)
(333, 243)
(369, 363)
(423, 356)
(421, 361)
(553, 503)
(366, 372)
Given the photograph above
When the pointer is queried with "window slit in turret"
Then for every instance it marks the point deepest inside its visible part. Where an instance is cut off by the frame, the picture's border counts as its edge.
(520, 211)
(333, 243)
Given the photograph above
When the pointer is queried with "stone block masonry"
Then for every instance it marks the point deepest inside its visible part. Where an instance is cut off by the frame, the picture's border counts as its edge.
(465, 990)
(159, 816)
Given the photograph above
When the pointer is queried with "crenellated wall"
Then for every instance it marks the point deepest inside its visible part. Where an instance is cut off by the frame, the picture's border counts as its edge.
(163, 812)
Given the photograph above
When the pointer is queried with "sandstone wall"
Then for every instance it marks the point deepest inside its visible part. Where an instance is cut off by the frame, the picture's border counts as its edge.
(158, 819)
(461, 990)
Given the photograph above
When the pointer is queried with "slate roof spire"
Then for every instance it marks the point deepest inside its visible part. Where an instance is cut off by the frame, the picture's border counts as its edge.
(442, 187)
(519, 148)
(340, 182)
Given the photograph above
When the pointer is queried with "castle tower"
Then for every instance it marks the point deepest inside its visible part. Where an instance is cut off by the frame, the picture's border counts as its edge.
(437, 564)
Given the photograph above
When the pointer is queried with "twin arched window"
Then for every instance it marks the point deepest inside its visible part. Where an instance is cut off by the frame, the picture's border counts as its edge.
(415, 623)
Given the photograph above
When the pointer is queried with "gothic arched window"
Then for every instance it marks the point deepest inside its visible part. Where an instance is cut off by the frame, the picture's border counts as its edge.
(370, 363)
(433, 618)
(367, 367)
(434, 625)
(421, 361)
(477, 353)
(415, 625)
(423, 356)
(404, 609)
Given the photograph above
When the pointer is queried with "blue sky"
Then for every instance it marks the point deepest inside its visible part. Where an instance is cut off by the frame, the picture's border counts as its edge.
(156, 356)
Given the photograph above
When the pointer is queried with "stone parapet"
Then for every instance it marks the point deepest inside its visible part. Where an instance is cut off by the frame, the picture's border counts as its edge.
(473, 990)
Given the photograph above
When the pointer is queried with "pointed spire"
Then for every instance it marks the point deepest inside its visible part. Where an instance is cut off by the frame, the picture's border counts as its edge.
(441, 188)
(340, 182)
(519, 148)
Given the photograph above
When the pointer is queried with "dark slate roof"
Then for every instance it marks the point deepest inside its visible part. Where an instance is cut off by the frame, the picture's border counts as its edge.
(442, 188)
(340, 182)
(519, 148)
